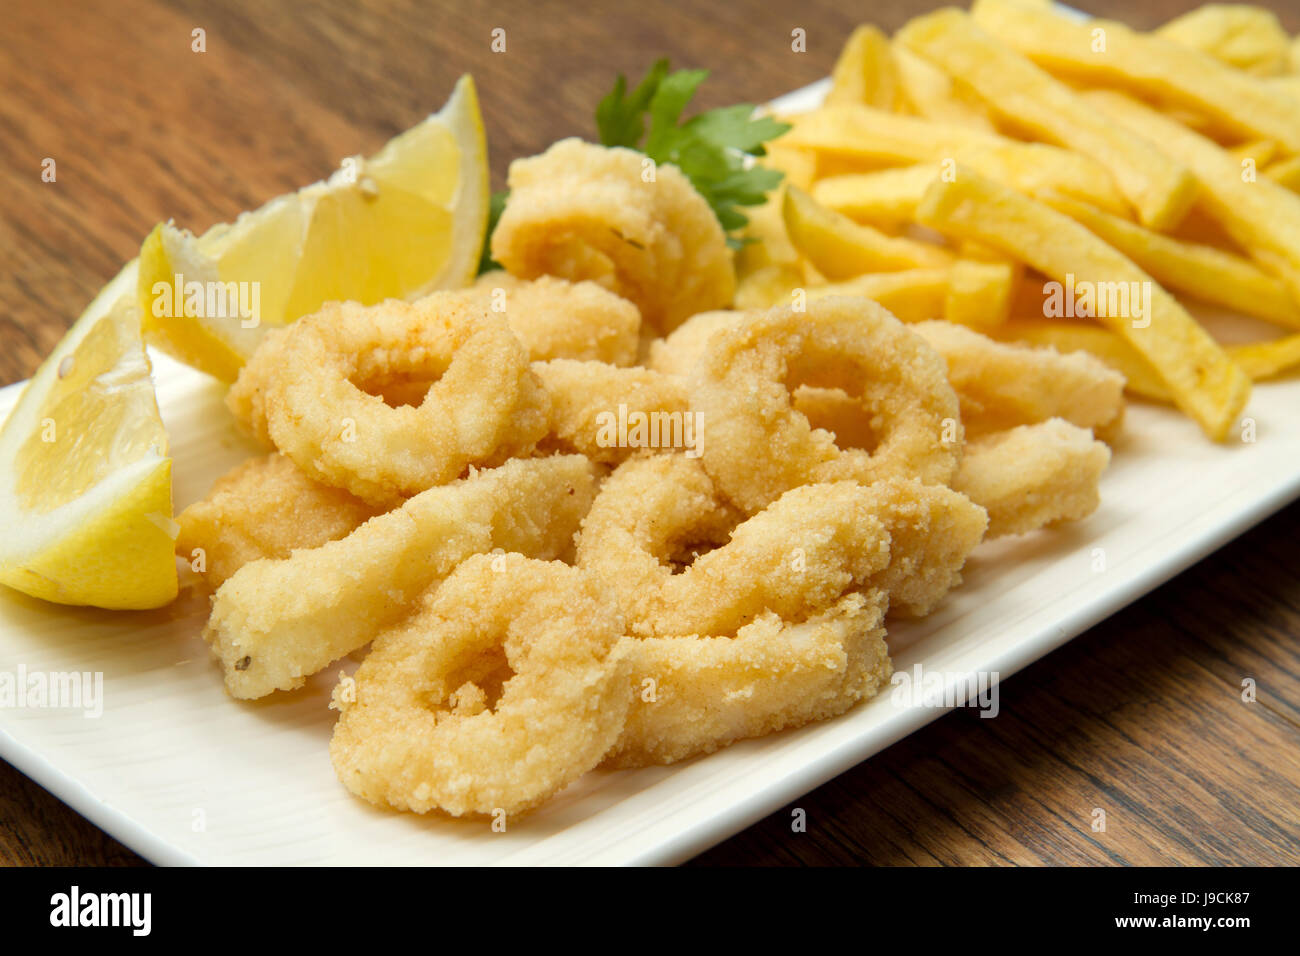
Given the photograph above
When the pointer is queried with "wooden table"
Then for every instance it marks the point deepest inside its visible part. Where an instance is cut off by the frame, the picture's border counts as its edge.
(1141, 716)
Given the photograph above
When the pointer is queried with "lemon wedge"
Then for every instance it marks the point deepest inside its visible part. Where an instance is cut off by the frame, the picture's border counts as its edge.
(85, 481)
(403, 223)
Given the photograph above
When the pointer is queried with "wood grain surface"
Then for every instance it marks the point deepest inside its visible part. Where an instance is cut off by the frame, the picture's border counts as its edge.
(1141, 717)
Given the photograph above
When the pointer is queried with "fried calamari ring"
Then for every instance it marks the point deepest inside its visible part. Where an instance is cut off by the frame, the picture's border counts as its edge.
(277, 621)
(556, 319)
(681, 560)
(695, 695)
(1032, 476)
(608, 413)
(795, 557)
(1002, 385)
(505, 687)
(581, 211)
(264, 508)
(309, 390)
(759, 446)
(714, 657)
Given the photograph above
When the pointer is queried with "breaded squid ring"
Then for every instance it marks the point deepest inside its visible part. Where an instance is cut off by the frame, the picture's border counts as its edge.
(759, 446)
(557, 319)
(797, 556)
(264, 508)
(506, 686)
(694, 695)
(608, 413)
(581, 211)
(305, 390)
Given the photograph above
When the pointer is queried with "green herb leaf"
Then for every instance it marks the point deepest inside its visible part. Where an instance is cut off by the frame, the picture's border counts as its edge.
(620, 119)
(712, 148)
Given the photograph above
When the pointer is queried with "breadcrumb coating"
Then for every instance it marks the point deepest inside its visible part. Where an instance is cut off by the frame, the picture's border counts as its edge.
(264, 508)
(580, 211)
(506, 685)
(1032, 476)
(277, 621)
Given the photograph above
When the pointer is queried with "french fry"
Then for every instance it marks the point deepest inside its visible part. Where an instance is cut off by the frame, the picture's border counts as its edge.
(979, 293)
(1261, 216)
(887, 198)
(1028, 97)
(1288, 85)
(769, 245)
(980, 296)
(799, 166)
(1260, 152)
(912, 296)
(1239, 35)
(1265, 360)
(932, 93)
(866, 72)
(768, 286)
(889, 139)
(1286, 173)
(842, 249)
(1207, 273)
(1111, 53)
(1205, 383)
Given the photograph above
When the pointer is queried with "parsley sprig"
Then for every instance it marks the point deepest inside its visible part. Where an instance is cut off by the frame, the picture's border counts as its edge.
(712, 148)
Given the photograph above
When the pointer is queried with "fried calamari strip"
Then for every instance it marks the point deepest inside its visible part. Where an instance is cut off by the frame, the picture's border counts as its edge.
(507, 685)
(798, 555)
(1002, 385)
(695, 695)
(277, 621)
(1032, 476)
(581, 211)
(678, 353)
(556, 319)
(607, 413)
(654, 515)
(264, 508)
(316, 390)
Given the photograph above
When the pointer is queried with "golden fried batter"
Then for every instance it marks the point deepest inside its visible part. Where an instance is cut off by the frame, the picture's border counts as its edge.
(264, 508)
(608, 413)
(757, 445)
(277, 621)
(695, 695)
(1002, 385)
(317, 389)
(556, 319)
(505, 686)
(580, 211)
(1032, 476)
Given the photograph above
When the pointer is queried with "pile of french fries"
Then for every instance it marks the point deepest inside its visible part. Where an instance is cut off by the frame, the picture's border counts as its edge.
(976, 164)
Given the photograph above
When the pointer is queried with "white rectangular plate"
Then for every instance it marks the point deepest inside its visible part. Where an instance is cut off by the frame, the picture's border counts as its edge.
(183, 774)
